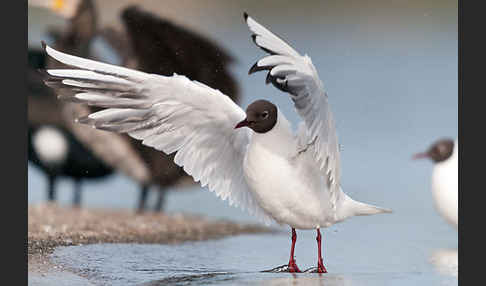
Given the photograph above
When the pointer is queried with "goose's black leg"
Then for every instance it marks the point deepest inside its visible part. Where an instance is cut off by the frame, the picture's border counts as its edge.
(142, 198)
(160, 200)
(77, 193)
(51, 191)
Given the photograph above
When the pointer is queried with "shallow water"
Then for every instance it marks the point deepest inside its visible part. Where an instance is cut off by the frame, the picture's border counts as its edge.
(240, 260)
(412, 246)
(390, 70)
(407, 247)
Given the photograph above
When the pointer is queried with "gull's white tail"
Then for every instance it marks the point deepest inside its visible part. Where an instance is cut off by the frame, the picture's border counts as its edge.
(347, 207)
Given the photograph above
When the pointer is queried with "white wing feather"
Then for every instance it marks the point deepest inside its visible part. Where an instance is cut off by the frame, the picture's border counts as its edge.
(170, 114)
(295, 74)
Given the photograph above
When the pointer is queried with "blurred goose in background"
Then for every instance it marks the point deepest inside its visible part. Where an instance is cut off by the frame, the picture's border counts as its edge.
(159, 46)
(265, 168)
(51, 145)
(151, 44)
(444, 154)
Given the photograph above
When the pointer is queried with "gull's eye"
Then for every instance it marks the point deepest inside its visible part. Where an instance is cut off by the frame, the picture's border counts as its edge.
(265, 114)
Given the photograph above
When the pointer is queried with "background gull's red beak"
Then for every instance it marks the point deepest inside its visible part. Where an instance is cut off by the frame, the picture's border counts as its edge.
(420, 156)
(242, 124)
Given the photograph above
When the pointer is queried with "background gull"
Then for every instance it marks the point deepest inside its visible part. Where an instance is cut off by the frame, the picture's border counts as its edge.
(444, 155)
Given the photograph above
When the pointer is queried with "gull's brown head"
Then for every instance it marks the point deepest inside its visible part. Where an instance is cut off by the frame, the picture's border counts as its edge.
(261, 116)
(438, 152)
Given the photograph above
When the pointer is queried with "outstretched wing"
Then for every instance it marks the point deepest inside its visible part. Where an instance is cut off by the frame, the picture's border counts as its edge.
(170, 114)
(295, 74)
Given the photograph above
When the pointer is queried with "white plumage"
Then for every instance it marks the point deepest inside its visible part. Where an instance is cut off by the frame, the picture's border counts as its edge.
(51, 146)
(291, 178)
(445, 187)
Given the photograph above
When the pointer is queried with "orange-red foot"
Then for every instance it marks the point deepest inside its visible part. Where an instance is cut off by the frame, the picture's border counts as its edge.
(293, 267)
(320, 267)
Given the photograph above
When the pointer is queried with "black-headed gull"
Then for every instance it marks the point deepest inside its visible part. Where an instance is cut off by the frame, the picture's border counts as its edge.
(268, 170)
(444, 177)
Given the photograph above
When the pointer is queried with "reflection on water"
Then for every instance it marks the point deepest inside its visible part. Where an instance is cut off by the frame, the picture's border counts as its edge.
(446, 261)
(314, 280)
(239, 261)
(254, 279)
(191, 279)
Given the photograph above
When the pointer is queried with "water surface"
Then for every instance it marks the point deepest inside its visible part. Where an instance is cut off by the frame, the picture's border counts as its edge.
(239, 261)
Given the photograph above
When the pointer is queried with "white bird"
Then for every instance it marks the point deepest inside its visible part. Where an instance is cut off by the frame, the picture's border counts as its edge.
(444, 177)
(268, 170)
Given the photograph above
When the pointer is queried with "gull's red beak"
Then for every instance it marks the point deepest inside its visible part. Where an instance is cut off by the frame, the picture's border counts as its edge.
(242, 124)
(420, 156)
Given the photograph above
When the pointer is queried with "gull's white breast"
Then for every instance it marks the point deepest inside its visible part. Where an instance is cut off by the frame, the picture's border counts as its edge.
(287, 187)
(445, 187)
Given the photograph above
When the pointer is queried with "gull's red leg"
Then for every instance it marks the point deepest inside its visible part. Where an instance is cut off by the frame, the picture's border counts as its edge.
(292, 265)
(320, 265)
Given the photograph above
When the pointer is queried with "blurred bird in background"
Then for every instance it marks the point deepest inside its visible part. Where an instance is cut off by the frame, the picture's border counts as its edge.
(51, 145)
(150, 44)
(444, 154)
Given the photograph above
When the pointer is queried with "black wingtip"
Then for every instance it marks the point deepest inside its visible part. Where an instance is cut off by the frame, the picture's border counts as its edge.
(268, 79)
(245, 16)
(253, 69)
(256, 68)
(253, 37)
(43, 45)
